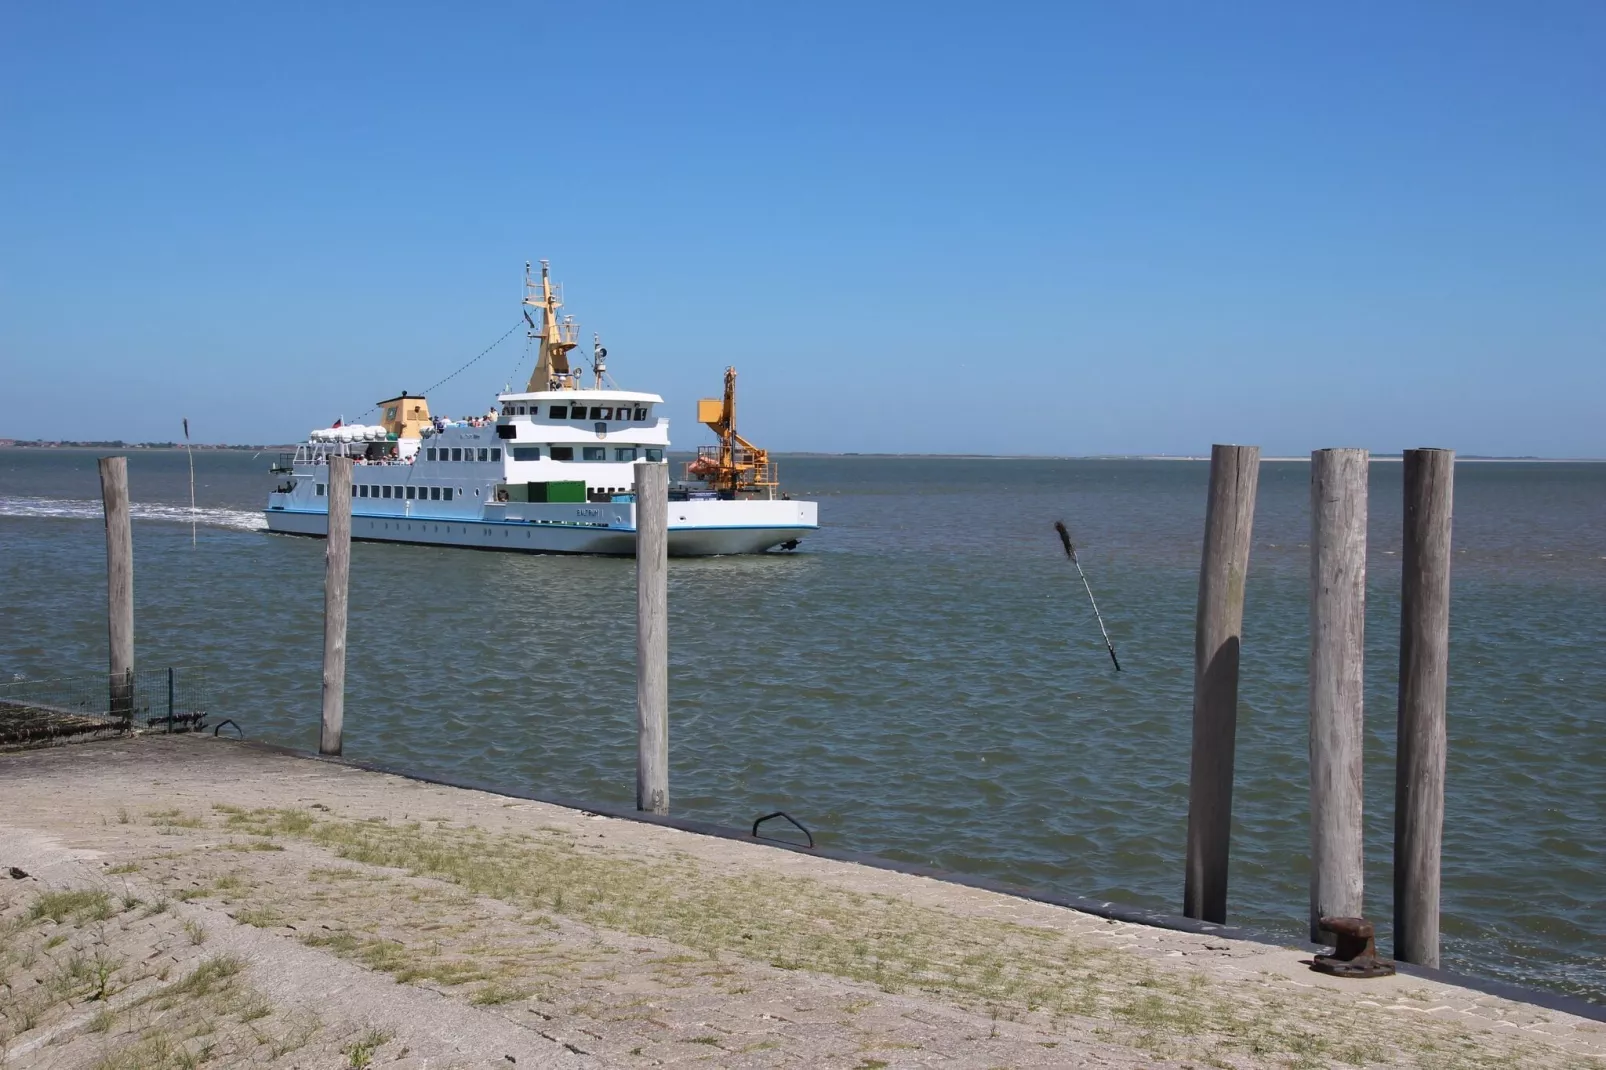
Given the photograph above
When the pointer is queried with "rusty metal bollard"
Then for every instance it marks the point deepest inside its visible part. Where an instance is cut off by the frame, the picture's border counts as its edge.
(1356, 952)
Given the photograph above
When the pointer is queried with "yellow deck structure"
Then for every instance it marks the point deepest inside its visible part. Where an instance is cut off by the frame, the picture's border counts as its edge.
(735, 466)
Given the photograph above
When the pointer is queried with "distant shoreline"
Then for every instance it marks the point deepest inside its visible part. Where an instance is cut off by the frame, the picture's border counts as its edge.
(1395, 457)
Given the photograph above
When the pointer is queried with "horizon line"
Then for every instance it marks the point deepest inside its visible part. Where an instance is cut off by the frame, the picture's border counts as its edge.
(35, 444)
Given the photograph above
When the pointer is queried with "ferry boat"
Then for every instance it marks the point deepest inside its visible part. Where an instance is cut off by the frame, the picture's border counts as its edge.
(547, 470)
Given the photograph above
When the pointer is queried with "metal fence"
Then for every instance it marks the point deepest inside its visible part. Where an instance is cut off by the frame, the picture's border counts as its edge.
(147, 700)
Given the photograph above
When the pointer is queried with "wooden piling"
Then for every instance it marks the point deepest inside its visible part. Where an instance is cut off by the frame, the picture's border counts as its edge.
(1218, 636)
(1424, 674)
(1337, 652)
(119, 585)
(652, 637)
(336, 572)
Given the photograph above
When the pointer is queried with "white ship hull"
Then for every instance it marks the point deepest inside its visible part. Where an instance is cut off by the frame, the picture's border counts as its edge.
(696, 528)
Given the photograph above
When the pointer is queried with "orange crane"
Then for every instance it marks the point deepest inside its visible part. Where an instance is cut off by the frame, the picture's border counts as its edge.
(735, 466)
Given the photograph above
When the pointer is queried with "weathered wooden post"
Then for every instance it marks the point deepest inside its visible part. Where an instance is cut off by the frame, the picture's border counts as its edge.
(652, 637)
(119, 585)
(337, 570)
(1337, 657)
(1424, 674)
(1218, 635)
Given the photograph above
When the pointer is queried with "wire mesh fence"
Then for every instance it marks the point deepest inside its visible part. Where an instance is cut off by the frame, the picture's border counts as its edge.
(92, 705)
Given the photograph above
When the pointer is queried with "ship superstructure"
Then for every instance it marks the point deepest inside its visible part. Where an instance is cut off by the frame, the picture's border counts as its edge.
(550, 469)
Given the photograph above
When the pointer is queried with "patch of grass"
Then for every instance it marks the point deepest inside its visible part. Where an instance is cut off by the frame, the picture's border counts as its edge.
(497, 993)
(153, 1051)
(78, 904)
(360, 1053)
(195, 931)
(1006, 969)
(125, 867)
(402, 962)
(176, 818)
(254, 1009)
(258, 917)
(211, 975)
(103, 969)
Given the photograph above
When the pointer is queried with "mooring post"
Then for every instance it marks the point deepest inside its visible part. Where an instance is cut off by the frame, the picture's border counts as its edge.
(1218, 634)
(119, 585)
(1337, 654)
(337, 570)
(652, 637)
(1424, 674)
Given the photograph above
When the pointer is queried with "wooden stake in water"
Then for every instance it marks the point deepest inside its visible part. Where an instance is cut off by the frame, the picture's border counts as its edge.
(337, 570)
(1070, 551)
(189, 453)
(1218, 634)
(119, 586)
(652, 637)
(1337, 653)
(1424, 676)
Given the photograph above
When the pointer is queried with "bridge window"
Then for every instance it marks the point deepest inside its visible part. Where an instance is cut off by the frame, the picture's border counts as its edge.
(457, 454)
(409, 492)
(526, 453)
(446, 494)
(386, 493)
(429, 454)
(320, 489)
(496, 453)
(625, 454)
(485, 455)
(560, 412)
(595, 453)
(654, 455)
(641, 414)
(563, 453)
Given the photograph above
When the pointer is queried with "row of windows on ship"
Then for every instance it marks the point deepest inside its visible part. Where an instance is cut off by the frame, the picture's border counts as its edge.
(429, 494)
(433, 494)
(533, 453)
(578, 412)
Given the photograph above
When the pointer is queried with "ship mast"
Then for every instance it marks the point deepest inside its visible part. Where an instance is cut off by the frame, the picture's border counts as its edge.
(557, 337)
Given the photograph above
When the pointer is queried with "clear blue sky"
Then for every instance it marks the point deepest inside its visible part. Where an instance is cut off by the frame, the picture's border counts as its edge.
(1012, 228)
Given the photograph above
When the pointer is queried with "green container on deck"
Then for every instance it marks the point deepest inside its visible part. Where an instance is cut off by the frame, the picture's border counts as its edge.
(562, 491)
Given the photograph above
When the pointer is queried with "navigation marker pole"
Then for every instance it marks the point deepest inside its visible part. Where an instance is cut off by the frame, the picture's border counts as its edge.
(191, 456)
(1070, 552)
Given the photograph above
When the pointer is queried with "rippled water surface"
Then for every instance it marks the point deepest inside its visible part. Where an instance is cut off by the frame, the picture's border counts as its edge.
(923, 680)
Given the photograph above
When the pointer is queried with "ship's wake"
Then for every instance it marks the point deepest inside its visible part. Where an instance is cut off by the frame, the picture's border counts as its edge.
(74, 509)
